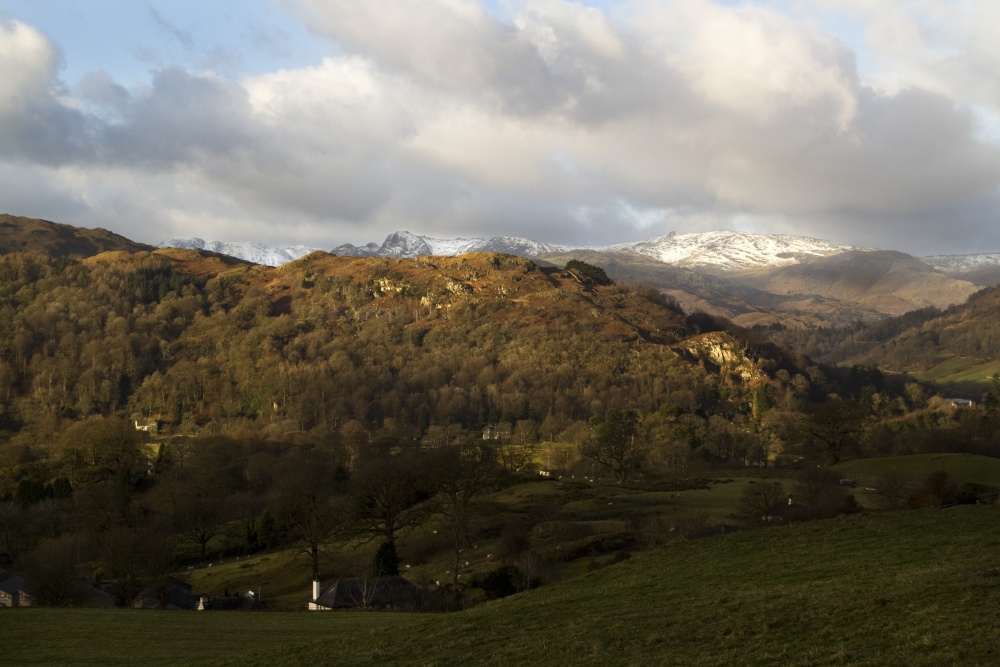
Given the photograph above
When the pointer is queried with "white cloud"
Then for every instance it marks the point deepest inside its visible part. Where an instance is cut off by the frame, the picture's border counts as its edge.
(27, 66)
(439, 117)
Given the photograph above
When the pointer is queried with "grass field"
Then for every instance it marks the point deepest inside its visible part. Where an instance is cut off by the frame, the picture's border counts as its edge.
(961, 375)
(960, 467)
(565, 514)
(908, 588)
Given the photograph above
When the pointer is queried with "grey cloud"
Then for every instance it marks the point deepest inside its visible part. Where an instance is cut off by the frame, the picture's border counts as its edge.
(106, 96)
(560, 128)
(47, 133)
(182, 36)
(182, 117)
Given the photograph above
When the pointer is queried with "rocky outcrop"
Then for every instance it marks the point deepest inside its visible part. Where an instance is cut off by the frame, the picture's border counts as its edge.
(724, 352)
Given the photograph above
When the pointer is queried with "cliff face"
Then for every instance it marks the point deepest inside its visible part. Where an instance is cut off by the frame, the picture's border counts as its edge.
(721, 350)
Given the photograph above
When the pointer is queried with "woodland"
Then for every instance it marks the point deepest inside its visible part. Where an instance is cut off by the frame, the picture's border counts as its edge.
(153, 401)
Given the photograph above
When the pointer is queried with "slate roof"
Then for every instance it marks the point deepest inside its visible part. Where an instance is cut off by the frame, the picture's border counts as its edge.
(14, 586)
(370, 593)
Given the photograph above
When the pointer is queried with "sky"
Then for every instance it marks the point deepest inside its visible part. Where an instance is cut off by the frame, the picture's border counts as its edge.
(320, 122)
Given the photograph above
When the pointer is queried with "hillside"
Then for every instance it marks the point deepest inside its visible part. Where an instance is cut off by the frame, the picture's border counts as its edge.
(19, 234)
(958, 345)
(804, 594)
(256, 253)
(721, 295)
(756, 280)
(202, 341)
(888, 282)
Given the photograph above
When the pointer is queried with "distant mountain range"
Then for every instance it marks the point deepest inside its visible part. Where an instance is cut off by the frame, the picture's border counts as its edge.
(721, 251)
(715, 252)
(257, 253)
(753, 279)
(399, 245)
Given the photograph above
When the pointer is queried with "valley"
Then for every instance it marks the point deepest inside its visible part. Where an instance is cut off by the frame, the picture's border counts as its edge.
(568, 432)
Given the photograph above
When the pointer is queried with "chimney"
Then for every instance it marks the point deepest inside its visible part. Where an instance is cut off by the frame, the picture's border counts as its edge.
(316, 589)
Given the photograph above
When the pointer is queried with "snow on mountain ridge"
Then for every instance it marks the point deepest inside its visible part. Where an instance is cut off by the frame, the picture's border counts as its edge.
(720, 250)
(732, 250)
(251, 251)
(962, 263)
(407, 244)
(509, 244)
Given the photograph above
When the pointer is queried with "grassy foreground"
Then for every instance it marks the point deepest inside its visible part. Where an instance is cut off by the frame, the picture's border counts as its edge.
(909, 588)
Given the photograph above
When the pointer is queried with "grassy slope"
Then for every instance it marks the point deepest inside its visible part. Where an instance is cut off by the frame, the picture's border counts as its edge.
(914, 588)
(960, 467)
(573, 511)
(961, 374)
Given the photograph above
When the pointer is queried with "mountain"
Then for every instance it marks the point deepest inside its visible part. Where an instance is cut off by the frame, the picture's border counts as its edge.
(963, 263)
(719, 251)
(732, 251)
(257, 253)
(886, 281)
(754, 279)
(18, 234)
(404, 244)
(721, 295)
(207, 342)
(960, 345)
(981, 269)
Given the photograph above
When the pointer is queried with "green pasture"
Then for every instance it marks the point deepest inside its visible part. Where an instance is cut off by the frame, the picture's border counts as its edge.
(565, 515)
(916, 588)
(961, 374)
(961, 468)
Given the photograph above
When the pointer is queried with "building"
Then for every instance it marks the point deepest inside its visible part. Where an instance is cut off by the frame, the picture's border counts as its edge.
(15, 591)
(393, 593)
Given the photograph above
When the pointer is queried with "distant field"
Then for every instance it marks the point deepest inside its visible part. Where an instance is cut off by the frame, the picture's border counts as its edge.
(575, 511)
(960, 467)
(909, 588)
(963, 375)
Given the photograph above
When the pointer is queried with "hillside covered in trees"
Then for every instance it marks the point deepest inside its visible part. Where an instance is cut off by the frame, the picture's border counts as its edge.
(964, 335)
(153, 400)
(208, 345)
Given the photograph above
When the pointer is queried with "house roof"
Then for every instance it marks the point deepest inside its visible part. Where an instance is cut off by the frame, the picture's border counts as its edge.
(13, 584)
(178, 596)
(368, 592)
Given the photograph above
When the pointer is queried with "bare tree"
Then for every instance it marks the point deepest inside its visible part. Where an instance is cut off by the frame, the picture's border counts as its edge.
(763, 499)
(311, 505)
(388, 491)
(462, 473)
(613, 443)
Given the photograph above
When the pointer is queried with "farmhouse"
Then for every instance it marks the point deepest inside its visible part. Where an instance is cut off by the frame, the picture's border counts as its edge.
(388, 593)
(14, 591)
(147, 425)
(170, 594)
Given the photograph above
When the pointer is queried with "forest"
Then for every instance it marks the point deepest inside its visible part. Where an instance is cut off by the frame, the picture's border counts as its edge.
(152, 401)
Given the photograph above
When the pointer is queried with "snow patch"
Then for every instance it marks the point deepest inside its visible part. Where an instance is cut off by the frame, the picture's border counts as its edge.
(258, 253)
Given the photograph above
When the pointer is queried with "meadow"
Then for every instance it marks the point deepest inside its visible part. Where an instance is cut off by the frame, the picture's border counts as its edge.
(916, 587)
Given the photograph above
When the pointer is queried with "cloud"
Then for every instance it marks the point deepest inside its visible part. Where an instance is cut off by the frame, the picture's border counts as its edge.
(35, 123)
(182, 36)
(567, 124)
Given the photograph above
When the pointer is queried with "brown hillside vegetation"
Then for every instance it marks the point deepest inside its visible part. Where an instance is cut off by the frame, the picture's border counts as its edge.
(923, 339)
(885, 281)
(18, 234)
(201, 262)
(203, 342)
(723, 296)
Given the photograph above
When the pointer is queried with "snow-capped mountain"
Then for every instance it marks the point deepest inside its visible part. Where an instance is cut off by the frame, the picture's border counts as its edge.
(731, 251)
(963, 263)
(405, 244)
(722, 251)
(258, 253)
